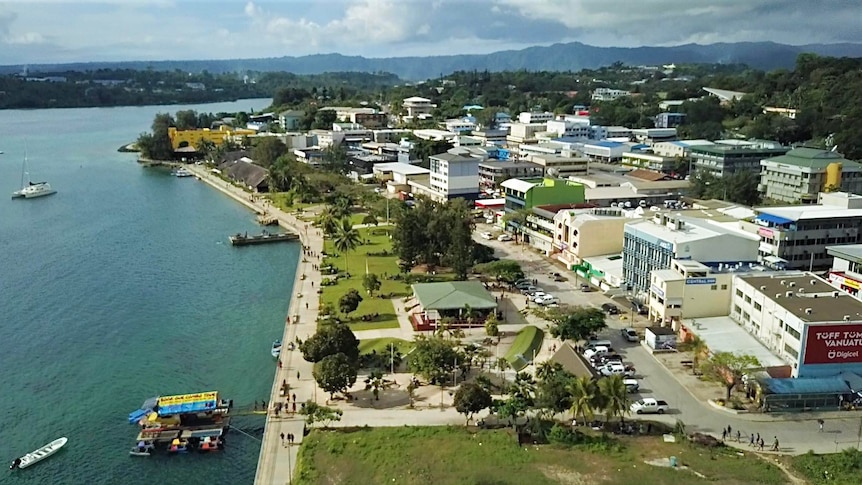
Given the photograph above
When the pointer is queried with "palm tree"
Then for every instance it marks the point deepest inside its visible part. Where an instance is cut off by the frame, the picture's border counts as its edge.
(547, 369)
(614, 395)
(584, 392)
(345, 239)
(327, 221)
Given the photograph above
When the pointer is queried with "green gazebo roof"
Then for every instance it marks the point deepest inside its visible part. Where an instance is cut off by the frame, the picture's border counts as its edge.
(451, 295)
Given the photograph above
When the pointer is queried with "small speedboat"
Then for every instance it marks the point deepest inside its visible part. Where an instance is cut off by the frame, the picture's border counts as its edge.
(38, 455)
(144, 448)
(276, 348)
(182, 172)
(179, 446)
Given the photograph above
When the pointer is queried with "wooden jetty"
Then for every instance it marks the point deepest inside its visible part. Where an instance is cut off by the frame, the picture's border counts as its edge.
(262, 238)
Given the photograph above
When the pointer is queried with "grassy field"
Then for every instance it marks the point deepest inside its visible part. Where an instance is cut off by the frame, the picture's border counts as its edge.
(377, 240)
(528, 340)
(381, 345)
(457, 455)
(843, 468)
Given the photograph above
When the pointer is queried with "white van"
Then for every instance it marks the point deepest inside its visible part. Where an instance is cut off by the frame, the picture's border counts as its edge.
(599, 343)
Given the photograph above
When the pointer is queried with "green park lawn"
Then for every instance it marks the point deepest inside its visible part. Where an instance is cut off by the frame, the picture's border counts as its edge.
(381, 345)
(458, 455)
(528, 340)
(355, 262)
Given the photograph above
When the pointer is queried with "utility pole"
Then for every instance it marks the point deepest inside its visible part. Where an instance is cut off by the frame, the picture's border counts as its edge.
(391, 358)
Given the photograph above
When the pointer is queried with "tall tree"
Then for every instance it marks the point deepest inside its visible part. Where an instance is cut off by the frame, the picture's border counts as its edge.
(471, 398)
(335, 373)
(614, 396)
(433, 358)
(576, 323)
(330, 339)
(728, 368)
(267, 150)
(371, 283)
(583, 391)
(346, 239)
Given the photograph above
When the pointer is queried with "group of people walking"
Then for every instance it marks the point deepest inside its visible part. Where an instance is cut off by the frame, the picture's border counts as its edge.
(754, 441)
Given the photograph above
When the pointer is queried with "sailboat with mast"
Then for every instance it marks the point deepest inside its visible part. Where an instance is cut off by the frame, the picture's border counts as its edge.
(29, 189)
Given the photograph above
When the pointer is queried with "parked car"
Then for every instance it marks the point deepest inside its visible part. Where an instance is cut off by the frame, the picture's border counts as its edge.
(487, 235)
(531, 292)
(504, 237)
(548, 300)
(630, 334)
(595, 342)
(615, 368)
(639, 308)
(521, 284)
(610, 309)
(649, 405)
(538, 296)
(589, 353)
(556, 276)
(632, 385)
(586, 288)
(529, 288)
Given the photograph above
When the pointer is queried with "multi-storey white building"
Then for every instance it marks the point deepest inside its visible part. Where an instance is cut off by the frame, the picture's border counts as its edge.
(523, 133)
(796, 236)
(608, 94)
(456, 174)
(651, 244)
(810, 324)
(583, 233)
(418, 107)
(846, 272)
(528, 117)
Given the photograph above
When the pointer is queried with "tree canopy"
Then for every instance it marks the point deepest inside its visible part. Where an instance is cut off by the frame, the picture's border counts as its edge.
(330, 339)
(576, 323)
(436, 234)
(434, 358)
(728, 368)
(335, 373)
(471, 398)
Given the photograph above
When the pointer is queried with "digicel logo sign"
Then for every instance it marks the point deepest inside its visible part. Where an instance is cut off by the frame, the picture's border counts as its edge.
(834, 344)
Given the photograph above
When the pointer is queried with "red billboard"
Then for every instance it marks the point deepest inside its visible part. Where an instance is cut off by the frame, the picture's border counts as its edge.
(833, 344)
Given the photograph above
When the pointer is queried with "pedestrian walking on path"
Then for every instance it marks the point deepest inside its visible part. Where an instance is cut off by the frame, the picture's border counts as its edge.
(294, 406)
(723, 434)
(751, 442)
(775, 444)
(282, 439)
(297, 375)
(294, 398)
(738, 436)
(760, 444)
(820, 423)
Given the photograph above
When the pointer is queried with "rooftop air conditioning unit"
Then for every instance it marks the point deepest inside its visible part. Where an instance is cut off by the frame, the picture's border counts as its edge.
(802, 290)
(762, 287)
(808, 311)
(846, 318)
(783, 283)
(792, 284)
(834, 294)
(778, 295)
(788, 294)
(813, 282)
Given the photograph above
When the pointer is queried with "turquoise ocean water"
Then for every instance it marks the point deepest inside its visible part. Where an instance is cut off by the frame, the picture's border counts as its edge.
(120, 287)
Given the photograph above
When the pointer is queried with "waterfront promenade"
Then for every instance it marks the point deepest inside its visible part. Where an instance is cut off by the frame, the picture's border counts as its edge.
(277, 459)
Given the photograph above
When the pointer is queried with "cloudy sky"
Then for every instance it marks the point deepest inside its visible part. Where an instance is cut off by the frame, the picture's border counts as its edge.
(44, 31)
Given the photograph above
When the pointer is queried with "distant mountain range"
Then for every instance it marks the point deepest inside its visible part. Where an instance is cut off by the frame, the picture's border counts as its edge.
(572, 56)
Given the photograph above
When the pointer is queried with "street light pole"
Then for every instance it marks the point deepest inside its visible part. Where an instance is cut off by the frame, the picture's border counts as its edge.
(391, 358)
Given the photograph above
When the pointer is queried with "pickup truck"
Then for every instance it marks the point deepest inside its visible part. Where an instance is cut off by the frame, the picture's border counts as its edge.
(649, 405)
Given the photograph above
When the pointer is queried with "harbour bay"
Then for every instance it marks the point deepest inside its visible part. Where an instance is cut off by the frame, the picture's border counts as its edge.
(120, 287)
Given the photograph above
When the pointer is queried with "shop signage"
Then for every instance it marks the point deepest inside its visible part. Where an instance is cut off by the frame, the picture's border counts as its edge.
(657, 291)
(833, 344)
(765, 232)
(843, 280)
(700, 281)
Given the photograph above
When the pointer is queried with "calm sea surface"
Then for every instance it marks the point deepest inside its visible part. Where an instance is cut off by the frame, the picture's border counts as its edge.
(120, 287)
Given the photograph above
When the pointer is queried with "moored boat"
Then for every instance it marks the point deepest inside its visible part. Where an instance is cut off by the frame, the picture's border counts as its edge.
(182, 172)
(38, 455)
(276, 348)
(143, 449)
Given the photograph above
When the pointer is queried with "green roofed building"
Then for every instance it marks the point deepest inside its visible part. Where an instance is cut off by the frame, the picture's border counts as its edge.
(802, 173)
(529, 193)
(467, 303)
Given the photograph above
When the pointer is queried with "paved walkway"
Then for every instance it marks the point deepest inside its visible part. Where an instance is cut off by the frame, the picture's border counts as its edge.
(277, 459)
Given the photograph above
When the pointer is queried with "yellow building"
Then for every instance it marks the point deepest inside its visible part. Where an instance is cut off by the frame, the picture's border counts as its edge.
(192, 138)
(688, 290)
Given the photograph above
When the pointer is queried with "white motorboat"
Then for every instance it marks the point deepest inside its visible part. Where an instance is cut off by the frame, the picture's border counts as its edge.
(276, 348)
(144, 448)
(182, 172)
(38, 455)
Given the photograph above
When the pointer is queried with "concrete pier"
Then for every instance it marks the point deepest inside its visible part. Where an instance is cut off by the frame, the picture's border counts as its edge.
(277, 460)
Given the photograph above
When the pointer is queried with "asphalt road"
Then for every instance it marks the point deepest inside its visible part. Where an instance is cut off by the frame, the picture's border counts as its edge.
(797, 433)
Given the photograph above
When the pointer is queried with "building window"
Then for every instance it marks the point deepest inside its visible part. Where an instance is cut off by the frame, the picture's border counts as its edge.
(736, 309)
(723, 287)
(790, 350)
(746, 316)
(739, 293)
(747, 299)
(792, 331)
(757, 306)
(713, 287)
